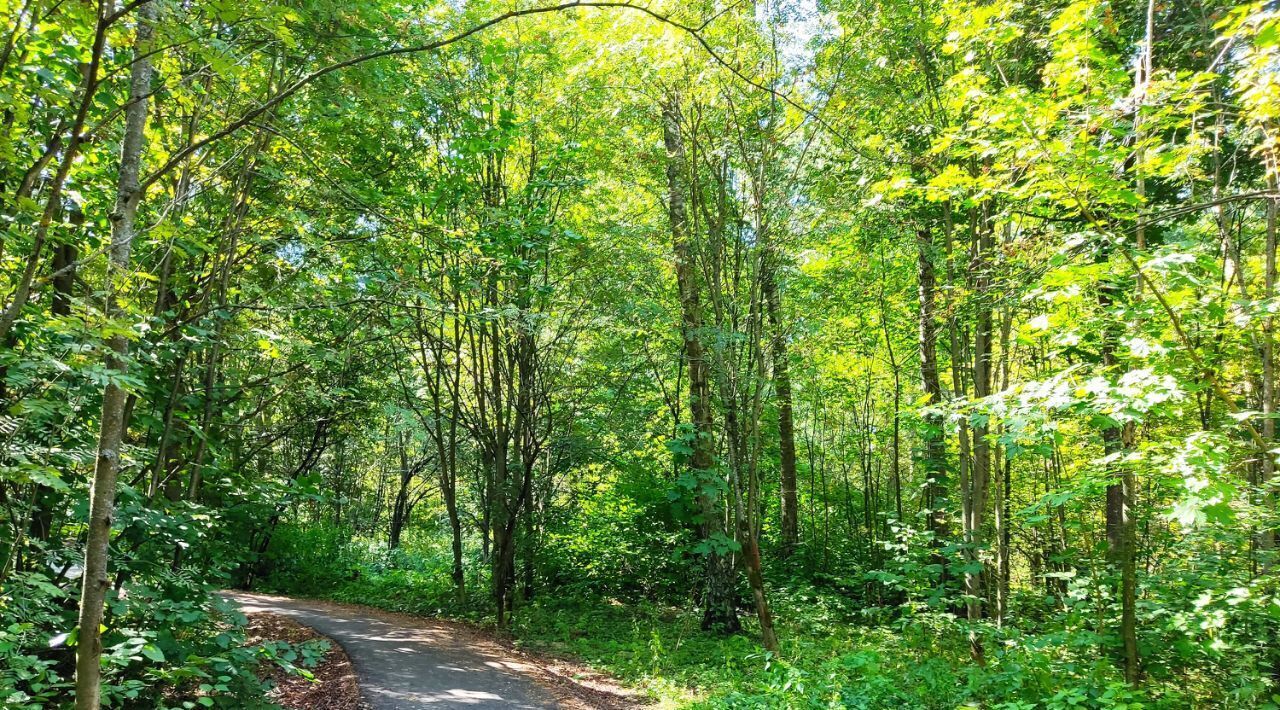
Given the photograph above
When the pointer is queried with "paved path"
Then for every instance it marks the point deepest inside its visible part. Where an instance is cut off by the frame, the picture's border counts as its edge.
(426, 664)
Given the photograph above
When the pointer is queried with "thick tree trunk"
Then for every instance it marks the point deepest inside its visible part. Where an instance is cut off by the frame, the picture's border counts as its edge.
(455, 528)
(499, 556)
(504, 553)
(94, 580)
(501, 513)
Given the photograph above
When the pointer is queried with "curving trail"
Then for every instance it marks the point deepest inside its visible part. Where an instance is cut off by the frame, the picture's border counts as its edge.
(416, 665)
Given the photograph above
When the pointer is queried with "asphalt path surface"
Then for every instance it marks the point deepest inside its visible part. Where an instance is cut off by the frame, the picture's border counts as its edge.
(407, 667)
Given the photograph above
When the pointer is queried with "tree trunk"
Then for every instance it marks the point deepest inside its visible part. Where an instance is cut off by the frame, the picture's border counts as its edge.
(53, 203)
(718, 611)
(782, 390)
(934, 444)
(449, 475)
(1120, 489)
(1267, 470)
(755, 577)
(400, 510)
(45, 499)
(94, 580)
(1004, 487)
(980, 474)
(895, 463)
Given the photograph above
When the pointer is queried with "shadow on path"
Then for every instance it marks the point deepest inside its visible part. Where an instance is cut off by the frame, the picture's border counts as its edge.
(407, 668)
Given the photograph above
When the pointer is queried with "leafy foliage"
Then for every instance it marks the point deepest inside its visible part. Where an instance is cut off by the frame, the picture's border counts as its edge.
(945, 332)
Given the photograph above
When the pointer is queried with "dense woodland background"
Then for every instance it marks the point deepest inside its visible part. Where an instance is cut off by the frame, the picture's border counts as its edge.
(865, 353)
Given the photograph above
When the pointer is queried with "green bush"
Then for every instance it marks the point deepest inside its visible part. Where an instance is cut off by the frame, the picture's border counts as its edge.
(840, 649)
(171, 645)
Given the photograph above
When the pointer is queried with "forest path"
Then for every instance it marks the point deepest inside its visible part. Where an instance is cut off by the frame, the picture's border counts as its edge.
(408, 663)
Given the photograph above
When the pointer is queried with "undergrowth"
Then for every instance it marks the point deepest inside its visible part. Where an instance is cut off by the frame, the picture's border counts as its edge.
(837, 651)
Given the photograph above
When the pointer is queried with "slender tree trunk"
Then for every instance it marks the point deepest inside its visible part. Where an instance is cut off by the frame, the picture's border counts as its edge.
(718, 611)
(530, 549)
(1269, 371)
(1267, 470)
(447, 455)
(167, 448)
(451, 458)
(782, 390)
(94, 580)
(40, 527)
(981, 472)
(400, 509)
(1004, 467)
(895, 453)
(934, 434)
(755, 508)
(1120, 488)
(319, 442)
(53, 202)
(755, 578)
(19, 17)
(500, 519)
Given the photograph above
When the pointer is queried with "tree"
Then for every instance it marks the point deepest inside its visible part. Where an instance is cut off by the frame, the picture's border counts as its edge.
(94, 579)
(717, 601)
(941, 332)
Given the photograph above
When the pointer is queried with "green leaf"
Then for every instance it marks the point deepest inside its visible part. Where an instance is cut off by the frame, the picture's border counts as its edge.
(153, 653)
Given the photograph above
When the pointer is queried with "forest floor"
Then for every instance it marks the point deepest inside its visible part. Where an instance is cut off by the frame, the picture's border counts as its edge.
(405, 662)
(333, 684)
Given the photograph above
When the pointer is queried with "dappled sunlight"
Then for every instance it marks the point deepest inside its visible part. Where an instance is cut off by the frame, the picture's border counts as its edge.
(586, 354)
(411, 666)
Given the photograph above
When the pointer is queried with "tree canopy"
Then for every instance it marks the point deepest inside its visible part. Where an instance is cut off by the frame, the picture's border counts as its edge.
(830, 353)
